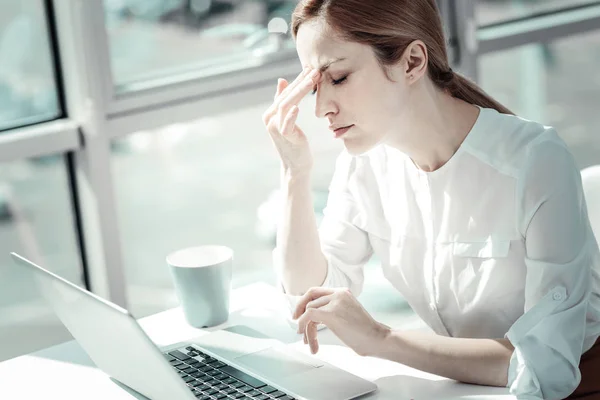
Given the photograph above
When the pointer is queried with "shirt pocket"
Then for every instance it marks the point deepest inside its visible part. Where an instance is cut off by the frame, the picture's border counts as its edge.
(480, 269)
(481, 249)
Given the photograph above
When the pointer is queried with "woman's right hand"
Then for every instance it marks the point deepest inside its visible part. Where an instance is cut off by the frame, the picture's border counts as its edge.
(280, 120)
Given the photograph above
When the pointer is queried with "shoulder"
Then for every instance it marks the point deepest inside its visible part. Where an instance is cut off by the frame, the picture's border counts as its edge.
(513, 144)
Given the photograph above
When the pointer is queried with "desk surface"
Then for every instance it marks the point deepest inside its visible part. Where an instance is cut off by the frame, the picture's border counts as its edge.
(66, 372)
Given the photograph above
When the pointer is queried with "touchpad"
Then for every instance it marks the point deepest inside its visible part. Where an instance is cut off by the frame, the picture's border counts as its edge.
(277, 362)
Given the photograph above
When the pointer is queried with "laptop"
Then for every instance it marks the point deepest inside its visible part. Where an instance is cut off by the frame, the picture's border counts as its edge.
(218, 365)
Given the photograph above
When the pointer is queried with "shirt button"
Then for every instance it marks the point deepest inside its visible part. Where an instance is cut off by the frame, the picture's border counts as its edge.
(557, 296)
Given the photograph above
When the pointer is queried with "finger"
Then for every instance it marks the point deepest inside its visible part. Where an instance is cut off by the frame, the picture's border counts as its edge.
(301, 77)
(281, 84)
(299, 92)
(312, 294)
(305, 338)
(311, 333)
(320, 302)
(289, 121)
(282, 87)
(312, 314)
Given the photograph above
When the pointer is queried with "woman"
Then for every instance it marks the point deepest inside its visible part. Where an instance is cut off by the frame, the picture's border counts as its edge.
(477, 215)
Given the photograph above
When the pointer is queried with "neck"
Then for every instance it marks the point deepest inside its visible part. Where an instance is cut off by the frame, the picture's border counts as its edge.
(433, 127)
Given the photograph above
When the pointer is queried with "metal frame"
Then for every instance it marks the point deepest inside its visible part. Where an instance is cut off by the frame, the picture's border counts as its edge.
(542, 28)
(186, 87)
(48, 138)
(466, 47)
(90, 167)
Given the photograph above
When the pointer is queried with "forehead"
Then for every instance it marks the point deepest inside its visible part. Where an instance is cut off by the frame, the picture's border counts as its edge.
(316, 44)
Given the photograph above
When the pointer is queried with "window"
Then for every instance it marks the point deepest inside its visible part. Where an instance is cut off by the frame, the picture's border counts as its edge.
(205, 182)
(161, 39)
(35, 221)
(28, 91)
(554, 83)
(492, 11)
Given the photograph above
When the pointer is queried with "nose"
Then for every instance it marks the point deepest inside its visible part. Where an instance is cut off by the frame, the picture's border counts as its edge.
(325, 104)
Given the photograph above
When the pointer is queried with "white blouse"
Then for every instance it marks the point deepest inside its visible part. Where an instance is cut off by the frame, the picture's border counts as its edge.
(495, 243)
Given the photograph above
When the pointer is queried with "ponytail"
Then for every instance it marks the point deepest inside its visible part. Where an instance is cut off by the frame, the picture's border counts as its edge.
(465, 89)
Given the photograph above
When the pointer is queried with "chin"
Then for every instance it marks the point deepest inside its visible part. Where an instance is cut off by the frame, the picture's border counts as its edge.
(358, 147)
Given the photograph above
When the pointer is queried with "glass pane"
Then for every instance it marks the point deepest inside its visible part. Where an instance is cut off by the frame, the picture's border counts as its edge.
(36, 222)
(491, 11)
(161, 38)
(205, 182)
(555, 84)
(27, 86)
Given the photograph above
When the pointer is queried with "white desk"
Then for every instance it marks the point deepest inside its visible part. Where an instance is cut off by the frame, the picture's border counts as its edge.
(65, 372)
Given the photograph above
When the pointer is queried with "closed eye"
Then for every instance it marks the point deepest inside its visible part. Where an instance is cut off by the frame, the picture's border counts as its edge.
(333, 82)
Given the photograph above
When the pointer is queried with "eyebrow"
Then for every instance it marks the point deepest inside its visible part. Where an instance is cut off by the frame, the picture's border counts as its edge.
(324, 67)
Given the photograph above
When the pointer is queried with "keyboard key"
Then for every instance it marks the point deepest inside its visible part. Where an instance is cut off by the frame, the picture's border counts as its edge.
(229, 381)
(206, 369)
(194, 364)
(253, 393)
(188, 369)
(218, 364)
(268, 389)
(220, 396)
(179, 355)
(222, 377)
(222, 386)
(168, 357)
(237, 395)
(247, 379)
(245, 389)
(229, 390)
(261, 396)
(188, 379)
(237, 384)
(286, 397)
(277, 394)
(197, 374)
(210, 391)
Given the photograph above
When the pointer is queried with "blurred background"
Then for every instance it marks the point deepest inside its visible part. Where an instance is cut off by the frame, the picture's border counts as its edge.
(132, 128)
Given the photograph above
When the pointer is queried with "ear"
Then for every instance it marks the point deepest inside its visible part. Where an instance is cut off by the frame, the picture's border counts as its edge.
(415, 61)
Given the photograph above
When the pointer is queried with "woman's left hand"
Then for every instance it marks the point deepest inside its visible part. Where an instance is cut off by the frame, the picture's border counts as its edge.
(341, 312)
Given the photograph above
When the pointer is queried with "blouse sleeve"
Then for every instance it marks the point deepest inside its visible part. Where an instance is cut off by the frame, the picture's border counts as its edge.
(560, 250)
(344, 243)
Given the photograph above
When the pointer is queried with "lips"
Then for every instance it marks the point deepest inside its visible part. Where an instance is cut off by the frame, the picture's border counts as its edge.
(341, 130)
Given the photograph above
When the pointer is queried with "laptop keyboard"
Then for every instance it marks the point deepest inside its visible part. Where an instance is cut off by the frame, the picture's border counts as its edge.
(209, 378)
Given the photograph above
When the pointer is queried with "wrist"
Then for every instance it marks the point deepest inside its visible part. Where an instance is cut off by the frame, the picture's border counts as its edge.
(292, 177)
(381, 338)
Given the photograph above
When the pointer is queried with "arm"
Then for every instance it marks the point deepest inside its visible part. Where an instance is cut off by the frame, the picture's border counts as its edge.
(477, 361)
(302, 263)
(343, 247)
(560, 255)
